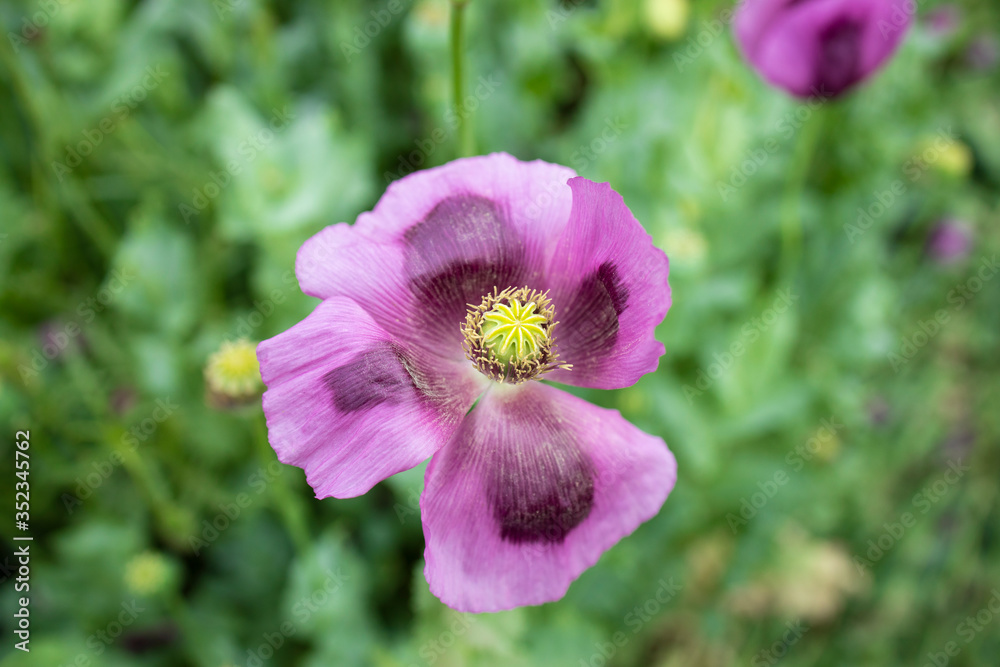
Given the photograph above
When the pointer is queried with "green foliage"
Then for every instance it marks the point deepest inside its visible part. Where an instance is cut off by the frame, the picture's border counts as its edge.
(164, 160)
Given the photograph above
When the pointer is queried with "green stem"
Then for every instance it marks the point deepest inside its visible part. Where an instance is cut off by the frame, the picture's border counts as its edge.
(466, 146)
(88, 220)
(292, 514)
(791, 214)
(146, 477)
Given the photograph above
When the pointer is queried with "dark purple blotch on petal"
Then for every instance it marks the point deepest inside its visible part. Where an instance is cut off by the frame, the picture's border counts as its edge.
(376, 376)
(607, 274)
(590, 319)
(541, 497)
(541, 484)
(839, 64)
(463, 249)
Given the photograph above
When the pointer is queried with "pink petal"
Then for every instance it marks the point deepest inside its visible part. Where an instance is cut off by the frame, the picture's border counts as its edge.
(352, 405)
(440, 239)
(609, 289)
(532, 489)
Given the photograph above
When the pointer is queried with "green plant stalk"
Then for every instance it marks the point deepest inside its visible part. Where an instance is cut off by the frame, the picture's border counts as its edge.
(466, 144)
(92, 224)
(147, 478)
(292, 514)
(791, 214)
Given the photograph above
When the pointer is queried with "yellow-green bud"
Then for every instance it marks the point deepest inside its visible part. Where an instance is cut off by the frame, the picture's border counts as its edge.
(232, 374)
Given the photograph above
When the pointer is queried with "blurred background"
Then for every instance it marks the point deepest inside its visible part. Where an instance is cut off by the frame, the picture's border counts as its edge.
(830, 386)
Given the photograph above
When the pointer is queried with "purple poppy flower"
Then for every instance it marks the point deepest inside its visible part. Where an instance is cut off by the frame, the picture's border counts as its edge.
(440, 309)
(950, 241)
(983, 53)
(820, 48)
(943, 21)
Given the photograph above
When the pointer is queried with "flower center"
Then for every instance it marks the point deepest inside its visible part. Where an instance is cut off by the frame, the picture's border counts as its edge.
(514, 331)
(509, 335)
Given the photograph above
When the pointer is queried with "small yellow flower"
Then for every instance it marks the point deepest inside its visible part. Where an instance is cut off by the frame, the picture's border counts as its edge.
(956, 159)
(945, 155)
(667, 18)
(147, 573)
(684, 245)
(232, 374)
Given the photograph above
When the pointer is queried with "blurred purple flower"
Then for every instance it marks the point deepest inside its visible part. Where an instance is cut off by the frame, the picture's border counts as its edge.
(56, 337)
(122, 400)
(879, 411)
(943, 21)
(444, 297)
(950, 241)
(959, 442)
(982, 53)
(820, 48)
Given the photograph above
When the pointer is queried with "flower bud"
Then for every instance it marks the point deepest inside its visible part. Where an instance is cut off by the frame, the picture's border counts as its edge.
(232, 375)
(820, 48)
(147, 574)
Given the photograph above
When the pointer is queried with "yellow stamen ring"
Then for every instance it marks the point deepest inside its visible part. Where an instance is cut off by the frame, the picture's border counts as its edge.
(509, 335)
